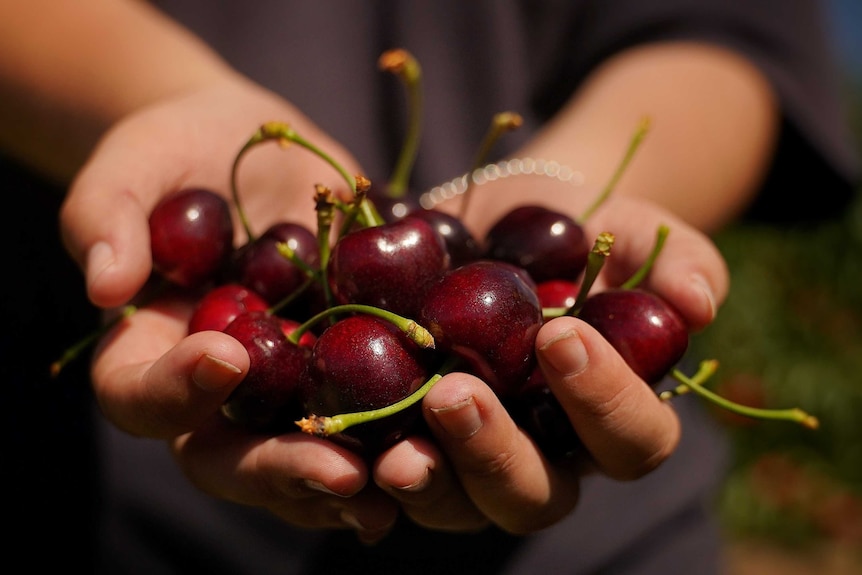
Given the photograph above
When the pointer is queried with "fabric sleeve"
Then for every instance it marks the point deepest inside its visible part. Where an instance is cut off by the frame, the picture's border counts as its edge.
(789, 41)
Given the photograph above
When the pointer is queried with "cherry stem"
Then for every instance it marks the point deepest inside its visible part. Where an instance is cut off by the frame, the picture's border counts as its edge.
(707, 369)
(500, 124)
(418, 334)
(402, 63)
(359, 208)
(282, 133)
(640, 132)
(641, 273)
(595, 261)
(74, 351)
(326, 425)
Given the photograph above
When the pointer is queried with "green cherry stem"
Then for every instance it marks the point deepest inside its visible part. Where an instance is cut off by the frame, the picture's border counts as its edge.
(595, 261)
(694, 384)
(640, 133)
(641, 273)
(418, 334)
(74, 351)
(402, 63)
(500, 124)
(284, 134)
(326, 425)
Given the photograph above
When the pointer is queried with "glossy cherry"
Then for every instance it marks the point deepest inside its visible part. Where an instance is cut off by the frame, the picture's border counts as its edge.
(646, 331)
(260, 265)
(269, 398)
(388, 266)
(191, 236)
(557, 293)
(462, 246)
(222, 304)
(485, 313)
(546, 243)
(360, 363)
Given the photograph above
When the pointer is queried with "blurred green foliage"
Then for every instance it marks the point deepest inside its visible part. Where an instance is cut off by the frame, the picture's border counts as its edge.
(790, 335)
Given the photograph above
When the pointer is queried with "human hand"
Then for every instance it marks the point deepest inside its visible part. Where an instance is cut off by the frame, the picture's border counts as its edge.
(149, 378)
(481, 468)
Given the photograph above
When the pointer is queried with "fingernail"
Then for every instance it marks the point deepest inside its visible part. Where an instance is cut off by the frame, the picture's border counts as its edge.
(461, 420)
(565, 353)
(320, 487)
(213, 374)
(419, 485)
(703, 286)
(99, 258)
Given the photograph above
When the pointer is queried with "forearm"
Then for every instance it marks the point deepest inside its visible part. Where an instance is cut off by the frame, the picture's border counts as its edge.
(69, 70)
(712, 131)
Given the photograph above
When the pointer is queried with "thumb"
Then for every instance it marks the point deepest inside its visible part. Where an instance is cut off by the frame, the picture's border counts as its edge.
(627, 429)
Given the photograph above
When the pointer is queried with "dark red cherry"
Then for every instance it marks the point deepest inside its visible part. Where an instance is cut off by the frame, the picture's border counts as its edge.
(390, 208)
(388, 266)
(485, 313)
(461, 244)
(359, 363)
(260, 266)
(269, 398)
(546, 243)
(538, 412)
(646, 331)
(191, 236)
(220, 306)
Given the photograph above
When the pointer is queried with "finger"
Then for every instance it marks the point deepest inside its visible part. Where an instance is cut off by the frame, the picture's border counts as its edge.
(416, 474)
(107, 234)
(152, 381)
(620, 419)
(306, 481)
(498, 465)
(689, 271)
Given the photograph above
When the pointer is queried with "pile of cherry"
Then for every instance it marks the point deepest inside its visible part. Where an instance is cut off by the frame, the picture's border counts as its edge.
(348, 325)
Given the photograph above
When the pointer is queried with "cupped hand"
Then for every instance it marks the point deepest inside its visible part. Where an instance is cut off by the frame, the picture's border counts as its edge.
(481, 468)
(153, 380)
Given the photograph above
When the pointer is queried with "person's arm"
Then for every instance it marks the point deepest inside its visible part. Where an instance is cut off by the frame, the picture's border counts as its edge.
(70, 70)
(713, 127)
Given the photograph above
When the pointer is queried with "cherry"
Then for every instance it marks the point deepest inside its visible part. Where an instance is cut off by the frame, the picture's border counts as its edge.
(557, 293)
(388, 266)
(460, 243)
(191, 236)
(222, 304)
(260, 266)
(392, 208)
(269, 398)
(361, 363)
(487, 314)
(538, 412)
(546, 243)
(647, 332)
